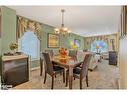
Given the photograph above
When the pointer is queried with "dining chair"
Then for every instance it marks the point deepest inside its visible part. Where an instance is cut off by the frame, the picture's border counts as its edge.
(73, 54)
(41, 63)
(42, 59)
(51, 70)
(50, 52)
(1, 72)
(81, 72)
(1, 69)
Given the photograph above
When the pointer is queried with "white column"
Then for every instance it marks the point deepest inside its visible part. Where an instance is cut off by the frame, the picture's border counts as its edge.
(123, 63)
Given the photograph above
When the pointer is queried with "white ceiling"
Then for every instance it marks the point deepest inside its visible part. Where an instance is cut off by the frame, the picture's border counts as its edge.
(82, 20)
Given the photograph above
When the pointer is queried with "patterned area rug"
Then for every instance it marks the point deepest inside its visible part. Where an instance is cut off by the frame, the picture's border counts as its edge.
(104, 76)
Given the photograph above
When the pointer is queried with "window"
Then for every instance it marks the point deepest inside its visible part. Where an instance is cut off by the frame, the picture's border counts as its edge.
(30, 45)
(102, 46)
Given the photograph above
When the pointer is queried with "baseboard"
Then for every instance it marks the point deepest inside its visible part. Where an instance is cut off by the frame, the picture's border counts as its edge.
(35, 68)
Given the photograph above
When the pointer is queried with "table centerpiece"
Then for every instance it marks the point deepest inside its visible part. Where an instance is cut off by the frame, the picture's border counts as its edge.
(63, 54)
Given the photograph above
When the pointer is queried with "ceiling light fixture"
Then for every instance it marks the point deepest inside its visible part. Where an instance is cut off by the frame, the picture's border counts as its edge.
(62, 30)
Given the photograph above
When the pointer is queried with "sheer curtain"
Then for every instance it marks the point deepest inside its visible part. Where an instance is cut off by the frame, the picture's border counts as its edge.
(29, 37)
(103, 47)
(30, 45)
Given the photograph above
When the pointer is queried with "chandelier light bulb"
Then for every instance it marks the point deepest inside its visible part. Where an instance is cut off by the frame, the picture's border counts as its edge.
(56, 29)
(65, 29)
(69, 31)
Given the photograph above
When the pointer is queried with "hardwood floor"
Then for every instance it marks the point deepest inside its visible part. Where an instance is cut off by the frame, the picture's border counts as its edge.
(105, 76)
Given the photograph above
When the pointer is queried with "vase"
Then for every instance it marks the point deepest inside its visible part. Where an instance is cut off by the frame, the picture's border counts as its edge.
(13, 52)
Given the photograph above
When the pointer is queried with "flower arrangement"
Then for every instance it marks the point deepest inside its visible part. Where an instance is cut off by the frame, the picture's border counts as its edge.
(63, 52)
(13, 46)
(73, 46)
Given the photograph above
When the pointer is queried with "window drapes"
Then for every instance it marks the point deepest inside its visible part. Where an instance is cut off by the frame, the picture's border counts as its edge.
(97, 38)
(24, 24)
(111, 41)
(123, 28)
(99, 46)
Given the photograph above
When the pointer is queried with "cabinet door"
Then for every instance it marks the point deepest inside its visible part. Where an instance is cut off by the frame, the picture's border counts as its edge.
(16, 72)
(113, 58)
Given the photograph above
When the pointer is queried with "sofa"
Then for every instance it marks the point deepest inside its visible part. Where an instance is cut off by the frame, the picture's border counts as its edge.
(94, 61)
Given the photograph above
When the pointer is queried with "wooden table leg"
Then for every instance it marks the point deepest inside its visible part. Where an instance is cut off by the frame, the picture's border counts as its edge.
(70, 77)
(41, 66)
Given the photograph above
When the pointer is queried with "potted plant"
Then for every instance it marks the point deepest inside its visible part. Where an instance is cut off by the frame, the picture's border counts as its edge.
(13, 47)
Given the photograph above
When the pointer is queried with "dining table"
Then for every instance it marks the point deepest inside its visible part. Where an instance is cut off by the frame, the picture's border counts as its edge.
(69, 63)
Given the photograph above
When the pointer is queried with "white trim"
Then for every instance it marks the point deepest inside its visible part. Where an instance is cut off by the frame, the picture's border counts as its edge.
(34, 68)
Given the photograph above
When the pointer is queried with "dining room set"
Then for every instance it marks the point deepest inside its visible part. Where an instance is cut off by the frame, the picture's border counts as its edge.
(66, 63)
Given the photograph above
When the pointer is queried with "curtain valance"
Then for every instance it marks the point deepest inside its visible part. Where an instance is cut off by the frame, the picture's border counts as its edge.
(23, 24)
(111, 40)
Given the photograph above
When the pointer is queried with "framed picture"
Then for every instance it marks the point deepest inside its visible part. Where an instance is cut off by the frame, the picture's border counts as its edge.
(53, 40)
(77, 42)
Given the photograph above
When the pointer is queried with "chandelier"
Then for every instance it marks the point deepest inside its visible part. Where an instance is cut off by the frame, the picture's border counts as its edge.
(62, 30)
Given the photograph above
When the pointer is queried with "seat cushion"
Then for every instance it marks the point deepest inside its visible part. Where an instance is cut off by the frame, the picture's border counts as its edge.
(77, 70)
(57, 68)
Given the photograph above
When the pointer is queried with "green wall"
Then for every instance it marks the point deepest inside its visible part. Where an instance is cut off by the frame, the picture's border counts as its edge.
(0, 47)
(8, 23)
(87, 40)
(9, 34)
(64, 41)
(0, 30)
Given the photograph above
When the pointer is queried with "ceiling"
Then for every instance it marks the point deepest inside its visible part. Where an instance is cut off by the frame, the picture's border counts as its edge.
(82, 20)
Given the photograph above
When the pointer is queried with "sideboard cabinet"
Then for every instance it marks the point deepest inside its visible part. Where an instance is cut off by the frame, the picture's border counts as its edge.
(112, 57)
(15, 70)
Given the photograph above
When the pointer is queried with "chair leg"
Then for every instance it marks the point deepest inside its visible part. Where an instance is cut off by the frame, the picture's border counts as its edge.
(45, 78)
(80, 83)
(52, 82)
(87, 81)
(66, 79)
(41, 66)
(63, 76)
(74, 78)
